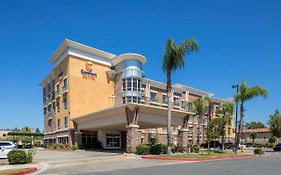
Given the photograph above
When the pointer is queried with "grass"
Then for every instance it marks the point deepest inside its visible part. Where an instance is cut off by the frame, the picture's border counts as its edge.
(6, 172)
(4, 163)
(203, 154)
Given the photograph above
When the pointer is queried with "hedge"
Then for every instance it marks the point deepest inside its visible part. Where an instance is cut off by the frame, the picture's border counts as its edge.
(17, 157)
(142, 149)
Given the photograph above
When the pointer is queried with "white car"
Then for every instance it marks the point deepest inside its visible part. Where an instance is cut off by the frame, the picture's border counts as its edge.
(5, 148)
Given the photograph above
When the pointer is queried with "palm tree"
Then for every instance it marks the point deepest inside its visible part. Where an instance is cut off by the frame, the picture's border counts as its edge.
(225, 111)
(200, 109)
(173, 59)
(245, 94)
(253, 136)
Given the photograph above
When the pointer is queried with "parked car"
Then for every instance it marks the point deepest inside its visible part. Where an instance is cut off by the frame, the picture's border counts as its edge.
(277, 147)
(213, 144)
(5, 148)
(229, 145)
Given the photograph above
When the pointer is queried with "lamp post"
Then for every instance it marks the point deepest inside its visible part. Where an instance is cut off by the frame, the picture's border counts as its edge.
(236, 116)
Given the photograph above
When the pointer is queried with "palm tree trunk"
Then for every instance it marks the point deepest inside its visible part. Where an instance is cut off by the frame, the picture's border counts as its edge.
(203, 132)
(169, 132)
(223, 141)
(198, 130)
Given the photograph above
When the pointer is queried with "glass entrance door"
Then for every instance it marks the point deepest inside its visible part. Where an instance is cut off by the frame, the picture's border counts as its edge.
(113, 141)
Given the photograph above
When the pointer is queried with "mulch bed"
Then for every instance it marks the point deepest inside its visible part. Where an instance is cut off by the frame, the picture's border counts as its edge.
(196, 159)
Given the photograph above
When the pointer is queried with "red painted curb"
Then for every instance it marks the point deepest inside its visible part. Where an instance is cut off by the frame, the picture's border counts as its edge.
(195, 159)
(24, 172)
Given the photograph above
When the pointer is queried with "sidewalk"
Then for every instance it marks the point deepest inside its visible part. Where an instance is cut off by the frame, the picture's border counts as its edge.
(19, 166)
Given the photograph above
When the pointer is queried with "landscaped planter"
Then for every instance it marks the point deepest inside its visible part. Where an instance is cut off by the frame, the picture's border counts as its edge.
(196, 159)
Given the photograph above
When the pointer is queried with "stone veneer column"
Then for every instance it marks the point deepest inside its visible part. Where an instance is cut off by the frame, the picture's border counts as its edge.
(78, 138)
(183, 139)
(133, 137)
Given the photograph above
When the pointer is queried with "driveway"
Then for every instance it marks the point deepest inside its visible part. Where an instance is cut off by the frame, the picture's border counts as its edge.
(48, 156)
(260, 165)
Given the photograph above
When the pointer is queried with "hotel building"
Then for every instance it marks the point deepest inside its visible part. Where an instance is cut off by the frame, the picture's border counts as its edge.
(94, 96)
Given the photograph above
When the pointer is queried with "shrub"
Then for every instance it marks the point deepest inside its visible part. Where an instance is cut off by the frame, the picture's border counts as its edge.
(142, 149)
(17, 157)
(134, 152)
(272, 139)
(164, 148)
(195, 149)
(152, 141)
(258, 151)
(156, 149)
(269, 145)
(181, 149)
(29, 156)
(74, 147)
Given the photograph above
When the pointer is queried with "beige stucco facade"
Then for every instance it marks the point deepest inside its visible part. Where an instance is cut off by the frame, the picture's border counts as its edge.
(91, 95)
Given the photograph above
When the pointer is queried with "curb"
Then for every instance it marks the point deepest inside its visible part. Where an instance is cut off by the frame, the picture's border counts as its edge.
(28, 171)
(196, 159)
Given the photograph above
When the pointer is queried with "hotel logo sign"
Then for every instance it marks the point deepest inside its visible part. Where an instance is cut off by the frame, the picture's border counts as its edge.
(87, 72)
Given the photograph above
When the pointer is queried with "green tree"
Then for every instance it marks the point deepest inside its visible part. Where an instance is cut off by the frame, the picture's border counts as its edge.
(255, 125)
(225, 112)
(253, 136)
(173, 59)
(26, 129)
(212, 131)
(200, 110)
(37, 130)
(274, 123)
(245, 94)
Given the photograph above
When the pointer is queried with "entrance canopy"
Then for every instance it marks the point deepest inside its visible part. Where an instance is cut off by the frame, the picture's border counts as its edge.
(118, 117)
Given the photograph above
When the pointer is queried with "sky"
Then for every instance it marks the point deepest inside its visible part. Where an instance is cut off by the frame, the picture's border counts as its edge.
(239, 40)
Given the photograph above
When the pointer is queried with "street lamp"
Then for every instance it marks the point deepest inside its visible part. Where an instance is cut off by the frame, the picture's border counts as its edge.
(236, 116)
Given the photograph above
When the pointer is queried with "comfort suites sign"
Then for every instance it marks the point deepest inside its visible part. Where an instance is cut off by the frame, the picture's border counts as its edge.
(87, 72)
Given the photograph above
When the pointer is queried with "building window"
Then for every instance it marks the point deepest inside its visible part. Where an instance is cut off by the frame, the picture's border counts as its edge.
(153, 130)
(135, 84)
(65, 83)
(190, 106)
(175, 129)
(65, 122)
(190, 130)
(58, 88)
(65, 102)
(49, 108)
(89, 138)
(153, 96)
(124, 84)
(176, 101)
(164, 99)
(129, 84)
(165, 130)
(130, 99)
(63, 140)
(58, 106)
(113, 140)
(58, 123)
(45, 110)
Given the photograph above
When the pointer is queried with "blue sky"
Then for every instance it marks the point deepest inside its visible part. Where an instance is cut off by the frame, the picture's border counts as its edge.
(239, 40)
